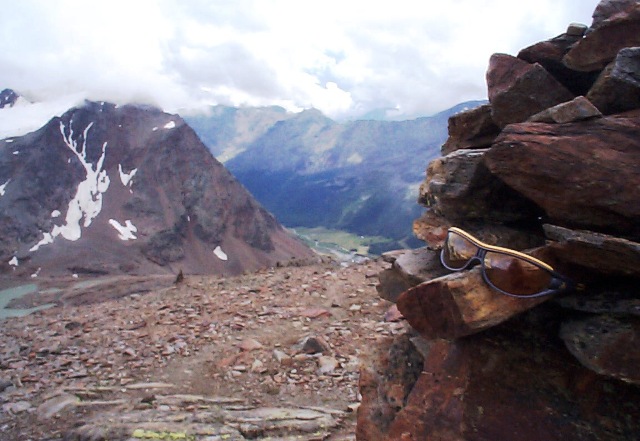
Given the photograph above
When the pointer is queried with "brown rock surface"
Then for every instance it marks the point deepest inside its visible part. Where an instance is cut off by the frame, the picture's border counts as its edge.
(617, 89)
(518, 89)
(578, 109)
(409, 269)
(515, 381)
(609, 9)
(458, 304)
(606, 344)
(194, 359)
(599, 47)
(549, 55)
(460, 187)
(471, 129)
(601, 253)
(583, 174)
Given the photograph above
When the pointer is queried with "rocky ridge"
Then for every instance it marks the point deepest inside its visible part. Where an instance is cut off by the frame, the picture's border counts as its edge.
(549, 166)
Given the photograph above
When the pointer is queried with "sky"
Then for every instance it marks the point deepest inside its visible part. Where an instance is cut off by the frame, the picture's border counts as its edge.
(345, 58)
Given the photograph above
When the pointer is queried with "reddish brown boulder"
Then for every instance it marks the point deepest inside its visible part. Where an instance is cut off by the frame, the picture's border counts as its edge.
(458, 304)
(599, 47)
(609, 9)
(606, 344)
(618, 86)
(386, 378)
(471, 129)
(604, 254)
(409, 268)
(584, 174)
(516, 381)
(460, 187)
(518, 89)
(549, 54)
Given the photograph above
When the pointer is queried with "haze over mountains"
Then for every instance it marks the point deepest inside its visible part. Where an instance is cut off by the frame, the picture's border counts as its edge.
(358, 176)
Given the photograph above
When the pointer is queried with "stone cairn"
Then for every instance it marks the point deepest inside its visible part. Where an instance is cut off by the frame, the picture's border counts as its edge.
(550, 166)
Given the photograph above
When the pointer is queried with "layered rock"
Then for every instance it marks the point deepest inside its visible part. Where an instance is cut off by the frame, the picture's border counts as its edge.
(561, 174)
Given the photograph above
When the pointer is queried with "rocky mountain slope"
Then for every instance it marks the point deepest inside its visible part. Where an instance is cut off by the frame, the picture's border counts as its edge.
(312, 171)
(107, 189)
(269, 355)
(550, 166)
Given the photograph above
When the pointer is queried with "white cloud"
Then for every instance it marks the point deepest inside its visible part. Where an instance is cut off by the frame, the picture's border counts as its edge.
(342, 57)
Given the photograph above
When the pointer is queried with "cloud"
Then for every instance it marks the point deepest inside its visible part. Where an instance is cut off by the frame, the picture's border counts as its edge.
(345, 58)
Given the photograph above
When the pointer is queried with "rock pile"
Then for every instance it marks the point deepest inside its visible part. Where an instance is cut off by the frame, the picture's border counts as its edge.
(268, 355)
(550, 166)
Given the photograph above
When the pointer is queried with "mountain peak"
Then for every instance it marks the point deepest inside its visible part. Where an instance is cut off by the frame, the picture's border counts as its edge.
(128, 189)
(8, 98)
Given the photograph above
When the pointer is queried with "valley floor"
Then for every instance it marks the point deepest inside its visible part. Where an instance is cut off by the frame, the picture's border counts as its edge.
(269, 355)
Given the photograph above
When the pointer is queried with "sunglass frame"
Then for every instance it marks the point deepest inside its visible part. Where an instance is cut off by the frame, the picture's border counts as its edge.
(558, 283)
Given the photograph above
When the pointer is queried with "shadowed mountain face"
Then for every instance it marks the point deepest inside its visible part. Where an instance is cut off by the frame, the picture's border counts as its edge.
(359, 176)
(108, 189)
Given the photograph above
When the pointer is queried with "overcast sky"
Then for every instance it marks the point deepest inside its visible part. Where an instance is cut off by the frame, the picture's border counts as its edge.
(343, 57)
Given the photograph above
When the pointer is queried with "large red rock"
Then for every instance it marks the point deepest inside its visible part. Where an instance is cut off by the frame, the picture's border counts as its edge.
(518, 89)
(606, 344)
(609, 9)
(599, 47)
(471, 129)
(514, 382)
(409, 268)
(583, 174)
(458, 304)
(549, 54)
(599, 253)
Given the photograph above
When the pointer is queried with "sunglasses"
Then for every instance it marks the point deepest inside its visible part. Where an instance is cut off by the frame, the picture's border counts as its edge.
(507, 271)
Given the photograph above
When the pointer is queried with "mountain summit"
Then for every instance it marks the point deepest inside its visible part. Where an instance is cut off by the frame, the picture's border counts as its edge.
(128, 189)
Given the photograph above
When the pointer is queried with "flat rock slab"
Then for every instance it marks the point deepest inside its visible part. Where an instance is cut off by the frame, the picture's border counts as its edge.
(458, 304)
(606, 344)
(585, 174)
(203, 420)
(598, 252)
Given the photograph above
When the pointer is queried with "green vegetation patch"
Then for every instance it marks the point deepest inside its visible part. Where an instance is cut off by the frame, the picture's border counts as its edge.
(327, 241)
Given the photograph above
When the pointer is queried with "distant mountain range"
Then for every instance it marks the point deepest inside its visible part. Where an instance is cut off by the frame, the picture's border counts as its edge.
(308, 170)
(106, 189)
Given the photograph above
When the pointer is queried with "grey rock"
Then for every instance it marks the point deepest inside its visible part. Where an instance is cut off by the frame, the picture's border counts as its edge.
(617, 89)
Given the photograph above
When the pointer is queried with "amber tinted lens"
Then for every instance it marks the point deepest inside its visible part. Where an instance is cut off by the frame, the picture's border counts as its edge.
(514, 275)
(457, 251)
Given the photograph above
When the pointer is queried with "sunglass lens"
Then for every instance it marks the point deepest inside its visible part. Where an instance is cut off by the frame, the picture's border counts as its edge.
(457, 251)
(514, 275)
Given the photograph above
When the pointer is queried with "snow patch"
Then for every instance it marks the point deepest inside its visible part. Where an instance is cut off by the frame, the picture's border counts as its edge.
(126, 177)
(87, 202)
(170, 125)
(34, 275)
(3, 186)
(126, 231)
(220, 254)
(8, 140)
(154, 129)
(25, 117)
(14, 261)
(55, 213)
(17, 152)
